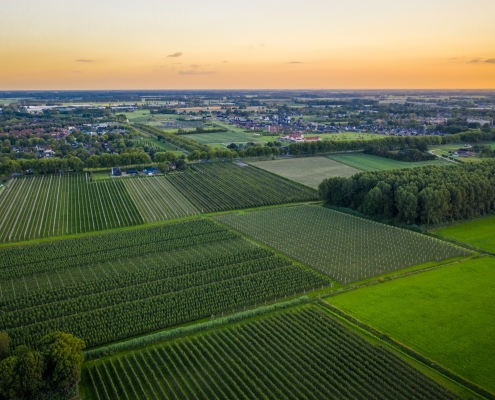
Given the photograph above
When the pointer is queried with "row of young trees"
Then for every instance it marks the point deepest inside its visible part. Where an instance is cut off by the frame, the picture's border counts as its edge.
(51, 371)
(431, 194)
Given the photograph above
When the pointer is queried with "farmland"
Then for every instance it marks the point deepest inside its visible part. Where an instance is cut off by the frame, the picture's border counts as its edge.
(445, 314)
(226, 186)
(342, 246)
(223, 137)
(158, 145)
(261, 359)
(159, 288)
(58, 205)
(309, 171)
(157, 199)
(478, 233)
(367, 162)
(55, 205)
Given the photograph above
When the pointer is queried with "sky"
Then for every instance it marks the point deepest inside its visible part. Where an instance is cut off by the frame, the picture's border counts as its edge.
(253, 44)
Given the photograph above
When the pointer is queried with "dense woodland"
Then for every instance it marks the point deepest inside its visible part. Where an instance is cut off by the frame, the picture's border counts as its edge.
(431, 194)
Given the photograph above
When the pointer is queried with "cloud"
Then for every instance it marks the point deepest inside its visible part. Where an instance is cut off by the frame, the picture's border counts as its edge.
(85, 61)
(295, 62)
(490, 61)
(453, 58)
(474, 61)
(176, 54)
(196, 72)
(224, 61)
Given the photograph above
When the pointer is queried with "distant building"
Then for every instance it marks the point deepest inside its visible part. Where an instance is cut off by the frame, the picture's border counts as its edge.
(116, 171)
(273, 129)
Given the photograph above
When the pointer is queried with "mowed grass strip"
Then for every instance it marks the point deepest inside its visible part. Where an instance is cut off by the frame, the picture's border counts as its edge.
(477, 233)
(367, 162)
(309, 171)
(445, 314)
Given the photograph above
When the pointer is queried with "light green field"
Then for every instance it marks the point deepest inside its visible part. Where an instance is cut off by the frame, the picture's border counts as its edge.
(161, 146)
(338, 137)
(478, 233)
(445, 314)
(309, 171)
(223, 137)
(367, 162)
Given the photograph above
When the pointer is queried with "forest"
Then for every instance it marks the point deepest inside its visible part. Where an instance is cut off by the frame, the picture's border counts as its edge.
(431, 194)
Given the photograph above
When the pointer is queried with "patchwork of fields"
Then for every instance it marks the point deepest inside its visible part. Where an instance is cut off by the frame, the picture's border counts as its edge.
(58, 205)
(342, 246)
(368, 162)
(309, 171)
(302, 354)
(152, 285)
(445, 314)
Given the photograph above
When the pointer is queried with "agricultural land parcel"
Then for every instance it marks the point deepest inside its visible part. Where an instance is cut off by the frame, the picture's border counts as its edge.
(59, 205)
(367, 162)
(117, 285)
(445, 314)
(260, 359)
(345, 247)
(478, 233)
(223, 137)
(309, 171)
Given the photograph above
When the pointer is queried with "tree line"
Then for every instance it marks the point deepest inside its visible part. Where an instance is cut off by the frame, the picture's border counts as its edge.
(408, 155)
(55, 164)
(51, 371)
(431, 194)
(392, 142)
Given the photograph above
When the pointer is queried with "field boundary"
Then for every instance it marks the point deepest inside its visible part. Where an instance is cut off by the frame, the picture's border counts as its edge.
(407, 350)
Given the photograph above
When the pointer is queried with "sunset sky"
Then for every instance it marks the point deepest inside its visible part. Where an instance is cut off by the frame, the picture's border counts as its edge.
(253, 44)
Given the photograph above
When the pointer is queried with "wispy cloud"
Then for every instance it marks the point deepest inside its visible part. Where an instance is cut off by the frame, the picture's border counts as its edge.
(176, 54)
(85, 61)
(295, 62)
(197, 72)
(490, 61)
(474, 61)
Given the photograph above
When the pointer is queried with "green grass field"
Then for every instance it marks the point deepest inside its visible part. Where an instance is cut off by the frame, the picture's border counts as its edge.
(223, 137)
(478, 233)
(367, 162)
(309, 171)
(445, 314)
(160, 146)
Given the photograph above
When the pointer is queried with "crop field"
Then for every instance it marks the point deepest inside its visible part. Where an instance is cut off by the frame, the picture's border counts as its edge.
(158, 145)
(478, 233)
(302, 354)
(367, 162)
(218, 187)
(345, 247)
(445, 314)
(157, 199)
(223, 137)
(144, 280)
(55, 205)
(309, 171)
